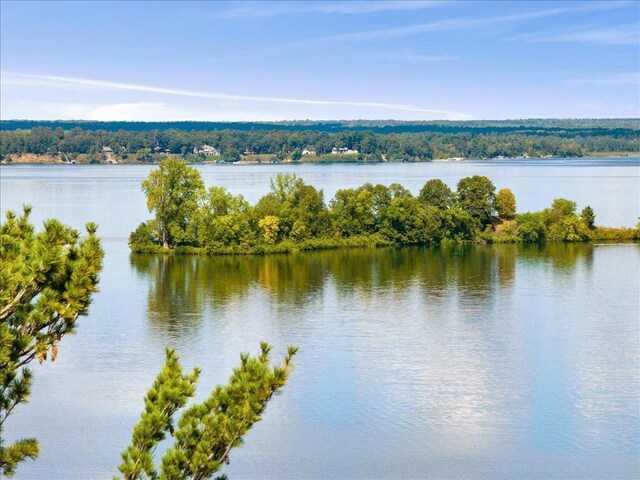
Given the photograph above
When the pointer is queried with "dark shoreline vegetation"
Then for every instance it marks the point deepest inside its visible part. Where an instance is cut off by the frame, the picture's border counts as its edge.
(293, 216)
(24, 141)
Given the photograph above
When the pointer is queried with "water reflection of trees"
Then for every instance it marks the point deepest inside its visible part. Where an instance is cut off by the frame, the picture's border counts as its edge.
(180, 287)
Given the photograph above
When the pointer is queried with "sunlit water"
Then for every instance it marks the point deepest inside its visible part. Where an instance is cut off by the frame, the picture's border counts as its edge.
(477, 362)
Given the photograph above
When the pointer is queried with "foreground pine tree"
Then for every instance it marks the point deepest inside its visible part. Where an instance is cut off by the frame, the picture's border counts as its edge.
(46, 282)
(206, 432)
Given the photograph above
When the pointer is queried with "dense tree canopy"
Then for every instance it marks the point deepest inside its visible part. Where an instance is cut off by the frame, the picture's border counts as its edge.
(390, 142)
(294, 215)
(173, 191)
(47, 279)
(505, 204)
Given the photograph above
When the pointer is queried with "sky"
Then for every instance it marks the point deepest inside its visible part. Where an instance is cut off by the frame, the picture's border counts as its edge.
(264, 61)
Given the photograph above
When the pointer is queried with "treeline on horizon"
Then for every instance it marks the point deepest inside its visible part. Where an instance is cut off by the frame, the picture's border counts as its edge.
(374, 141)
(294, 216)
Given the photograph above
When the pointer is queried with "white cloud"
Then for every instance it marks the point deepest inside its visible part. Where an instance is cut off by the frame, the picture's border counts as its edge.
(457, 24)
(618, 35)
(268, 9)
(73, 82)
(407, 56)
(632, 78)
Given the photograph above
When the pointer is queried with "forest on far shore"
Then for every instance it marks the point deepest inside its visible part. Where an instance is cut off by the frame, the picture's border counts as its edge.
(355, 141)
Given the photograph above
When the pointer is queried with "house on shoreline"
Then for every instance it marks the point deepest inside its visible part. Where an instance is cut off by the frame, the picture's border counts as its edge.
(206, 150)
(343, 151)
(108, 156)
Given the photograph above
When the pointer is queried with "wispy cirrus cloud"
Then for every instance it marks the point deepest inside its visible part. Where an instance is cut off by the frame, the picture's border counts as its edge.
(405, 56)
(459, 24)
(49, 81)
(272, 9)
(619, 79)
(628, 34)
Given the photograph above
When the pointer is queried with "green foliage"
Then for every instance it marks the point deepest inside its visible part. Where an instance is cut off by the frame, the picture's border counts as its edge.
(530, 227)
(476, 196)
(46, 281)
(144, 155)
(270, 226)
(616, 234)
(409, 141)
(562, 223)
(569, 228)
(173, 193)
(206, 432)
(222, 220)
(437, 194)
(561, 207)
(460, 224)
(170, 392)
(505, 204)
(294, 216)
(404, 221)
(588, 217)
(352, 211)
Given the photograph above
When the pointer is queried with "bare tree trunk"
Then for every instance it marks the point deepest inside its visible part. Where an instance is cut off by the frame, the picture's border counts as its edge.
(165, 243)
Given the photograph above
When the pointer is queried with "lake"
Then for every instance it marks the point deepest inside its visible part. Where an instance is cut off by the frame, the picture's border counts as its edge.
(504, 361)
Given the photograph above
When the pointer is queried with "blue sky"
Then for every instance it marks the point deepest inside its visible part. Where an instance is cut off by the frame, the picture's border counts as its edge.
(319, 60)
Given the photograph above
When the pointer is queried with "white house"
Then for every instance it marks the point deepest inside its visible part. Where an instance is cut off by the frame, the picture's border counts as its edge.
(207, 150)
(308, 151)
(343, 151)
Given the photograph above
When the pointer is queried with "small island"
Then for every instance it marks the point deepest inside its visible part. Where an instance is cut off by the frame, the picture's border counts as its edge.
(294, 216)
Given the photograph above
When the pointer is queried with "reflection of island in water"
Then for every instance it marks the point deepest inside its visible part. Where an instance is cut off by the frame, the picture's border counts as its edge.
(478, 350)
(181, 286)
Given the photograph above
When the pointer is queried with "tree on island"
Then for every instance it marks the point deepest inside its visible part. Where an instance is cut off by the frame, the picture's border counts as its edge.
(437, 194)
(588, 216)
(476, 195)
(505, 204)
(294, 216)
(46, 282)
(173, 193)
(206, 432)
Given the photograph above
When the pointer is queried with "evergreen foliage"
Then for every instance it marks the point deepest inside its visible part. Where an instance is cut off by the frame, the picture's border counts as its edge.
(294, 216)
(206, 432)
(588, 217)
(46, 281)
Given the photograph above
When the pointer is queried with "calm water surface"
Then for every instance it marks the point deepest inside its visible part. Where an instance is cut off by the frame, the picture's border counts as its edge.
(477, 362)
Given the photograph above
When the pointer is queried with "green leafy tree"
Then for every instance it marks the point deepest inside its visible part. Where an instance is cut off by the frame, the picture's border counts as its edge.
(144, 155)
(570, 228)
(206, 432)
(174, 191)
(530, 227)
(560, 207)
(437, 194)
(270, 226)
(506, 204)
(476, 195)
(46, 281)
(588, 217)
(311, 215)
(460, 225)
(222, 220)
(352, 211)
(403, 221)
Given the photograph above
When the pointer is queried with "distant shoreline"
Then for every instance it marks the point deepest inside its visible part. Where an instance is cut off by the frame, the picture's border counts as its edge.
(32, 159)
